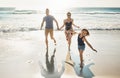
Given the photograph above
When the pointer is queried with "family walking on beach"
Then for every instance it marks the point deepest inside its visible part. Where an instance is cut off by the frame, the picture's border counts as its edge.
(68, 23)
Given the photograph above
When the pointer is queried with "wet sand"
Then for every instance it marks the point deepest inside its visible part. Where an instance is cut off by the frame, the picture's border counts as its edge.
(22, 53)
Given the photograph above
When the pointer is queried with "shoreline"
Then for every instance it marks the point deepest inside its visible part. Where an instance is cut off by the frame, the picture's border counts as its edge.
(36, 29)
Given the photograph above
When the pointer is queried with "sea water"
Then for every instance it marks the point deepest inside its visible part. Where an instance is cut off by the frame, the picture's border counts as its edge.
(30, 20)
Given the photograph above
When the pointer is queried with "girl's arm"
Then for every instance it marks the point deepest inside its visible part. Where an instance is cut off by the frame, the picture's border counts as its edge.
(89, 44)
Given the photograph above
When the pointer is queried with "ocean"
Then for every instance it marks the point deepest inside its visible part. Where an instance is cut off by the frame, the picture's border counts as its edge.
(13, 20)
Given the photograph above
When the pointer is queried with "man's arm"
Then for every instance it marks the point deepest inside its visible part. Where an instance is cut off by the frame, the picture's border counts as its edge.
(56, 24)
(42, 24)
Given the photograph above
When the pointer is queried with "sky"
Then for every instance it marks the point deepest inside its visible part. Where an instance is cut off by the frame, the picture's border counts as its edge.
(58, 4)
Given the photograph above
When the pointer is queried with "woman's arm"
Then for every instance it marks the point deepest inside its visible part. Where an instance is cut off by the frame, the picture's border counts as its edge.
(74, 24)
(62, 25)
(89, 44)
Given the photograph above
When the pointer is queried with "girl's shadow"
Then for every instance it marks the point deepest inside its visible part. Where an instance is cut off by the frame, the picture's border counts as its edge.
(84, 72)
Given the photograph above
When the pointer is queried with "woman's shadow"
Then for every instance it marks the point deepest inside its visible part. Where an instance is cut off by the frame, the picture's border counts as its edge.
(50, 71)
(84, 72)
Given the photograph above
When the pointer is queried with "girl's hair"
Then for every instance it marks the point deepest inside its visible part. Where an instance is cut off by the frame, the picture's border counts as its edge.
(86, 31)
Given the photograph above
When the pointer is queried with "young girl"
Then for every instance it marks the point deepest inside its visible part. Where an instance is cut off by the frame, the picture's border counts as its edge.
(81, 45)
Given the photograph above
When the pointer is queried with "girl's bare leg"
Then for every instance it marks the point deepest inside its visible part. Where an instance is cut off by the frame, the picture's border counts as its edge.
(81, 58)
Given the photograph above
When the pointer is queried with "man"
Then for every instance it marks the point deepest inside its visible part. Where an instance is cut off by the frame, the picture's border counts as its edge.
(49, 27)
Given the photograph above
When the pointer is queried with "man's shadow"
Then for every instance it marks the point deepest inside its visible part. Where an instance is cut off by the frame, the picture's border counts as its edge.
(50, 71)
(84, 72)
(50, 64)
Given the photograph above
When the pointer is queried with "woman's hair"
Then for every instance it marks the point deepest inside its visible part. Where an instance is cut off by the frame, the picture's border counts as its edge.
(86, 31)
(68, 13)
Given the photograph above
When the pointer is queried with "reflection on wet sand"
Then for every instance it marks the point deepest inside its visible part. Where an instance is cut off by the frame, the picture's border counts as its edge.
(50, 71)
(84, 72)
(69, 71)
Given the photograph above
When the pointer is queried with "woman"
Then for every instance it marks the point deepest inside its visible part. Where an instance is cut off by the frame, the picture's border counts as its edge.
(68, 23)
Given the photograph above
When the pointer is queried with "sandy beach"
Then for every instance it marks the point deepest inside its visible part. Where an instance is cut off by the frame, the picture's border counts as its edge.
(23, 55)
